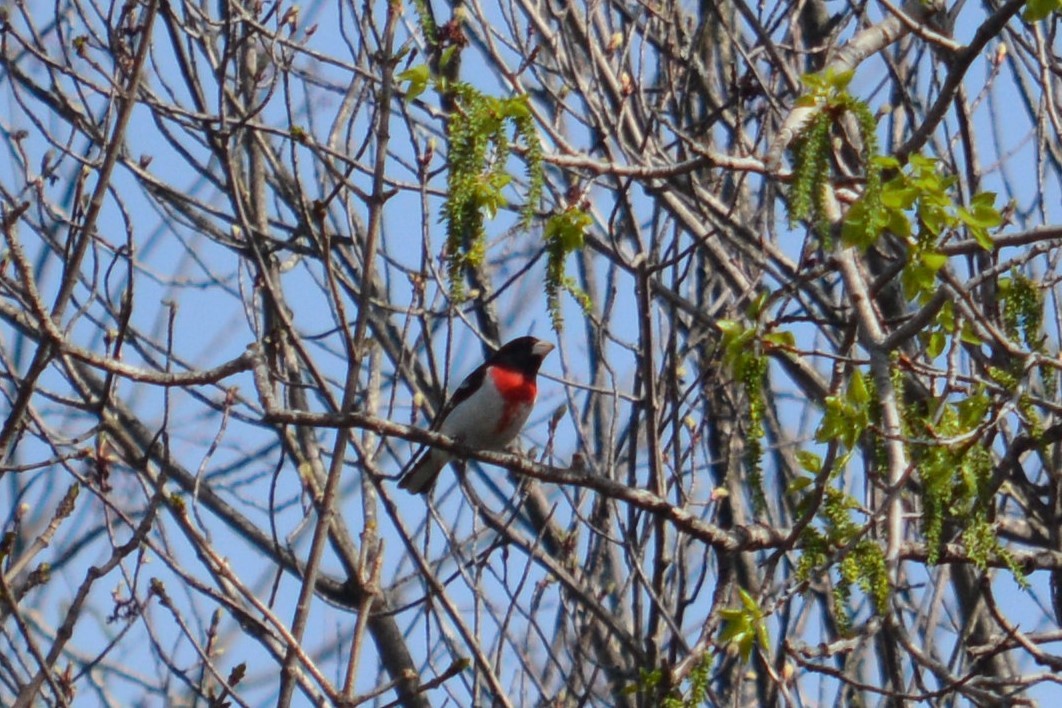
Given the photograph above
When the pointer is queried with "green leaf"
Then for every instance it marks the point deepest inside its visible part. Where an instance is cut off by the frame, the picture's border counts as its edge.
(762, 638)
(983, 238)
(986, 200)
(857, 389)
(981, 215)
(738, 348)
(567, 230)
(968, 334)
(839, 80)
(887, 162)
(729, 327)
(986, 217)
(809, 461)
(738, 630)
(749, 602)
(487, 192)
(734, 625)
(896, 194)
(517, 108)
(745, 626)
(922, 164)
(813, 81)
(446, 57)
(855, 230)
(755, 308)
(783, 339)
(841, 421)
(898, 223)
(933, 261)
(935, 346)
(934, 219)
(946, 317)
(917, 279)
(972, 410)
(1037, 10)
(418, 77)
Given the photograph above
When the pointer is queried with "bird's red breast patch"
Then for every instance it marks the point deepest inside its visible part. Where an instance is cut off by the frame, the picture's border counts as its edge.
(513, 385)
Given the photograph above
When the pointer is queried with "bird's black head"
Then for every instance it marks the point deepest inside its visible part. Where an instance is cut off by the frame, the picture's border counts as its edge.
(523, 353)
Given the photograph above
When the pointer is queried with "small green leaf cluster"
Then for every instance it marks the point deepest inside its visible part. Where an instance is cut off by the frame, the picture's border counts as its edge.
(981, 542)
(1023, 316)
(865, 566)
(697, 680)
(745, 627)
(1031, 418)
(564, 233)
(650, 683)
(479, 149)
(1037, 10)
(744, 353)
(918, 206)
(846, 418)
(922, 189)
(482, 130)
(444, 46)
(808, 191)
(648, 680)
(417, 78)
(955, 471)
(1023, 310)
(943, 328)
(424, 19)
(862, 561)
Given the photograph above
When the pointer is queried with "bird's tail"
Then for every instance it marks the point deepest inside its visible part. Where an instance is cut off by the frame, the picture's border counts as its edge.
(421, 478)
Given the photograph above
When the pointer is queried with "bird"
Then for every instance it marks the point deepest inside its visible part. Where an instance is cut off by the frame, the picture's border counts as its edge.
(488, 409)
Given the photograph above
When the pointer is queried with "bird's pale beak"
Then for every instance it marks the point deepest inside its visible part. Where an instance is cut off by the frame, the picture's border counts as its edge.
(542, 348)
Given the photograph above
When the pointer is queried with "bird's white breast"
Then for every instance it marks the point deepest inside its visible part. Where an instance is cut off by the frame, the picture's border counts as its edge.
(481, 420)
